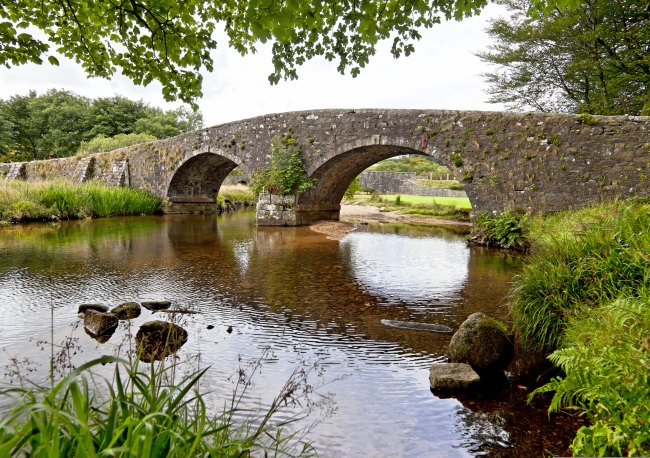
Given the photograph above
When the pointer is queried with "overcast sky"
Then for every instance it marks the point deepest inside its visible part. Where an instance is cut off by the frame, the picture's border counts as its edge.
(443, 73)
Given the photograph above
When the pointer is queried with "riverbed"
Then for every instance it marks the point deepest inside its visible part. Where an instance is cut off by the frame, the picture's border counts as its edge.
(269, 301)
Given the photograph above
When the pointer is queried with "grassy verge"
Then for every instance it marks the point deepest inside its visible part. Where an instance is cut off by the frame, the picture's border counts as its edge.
(448, 207)
(54, 200)
(141, 412)
(584, 299)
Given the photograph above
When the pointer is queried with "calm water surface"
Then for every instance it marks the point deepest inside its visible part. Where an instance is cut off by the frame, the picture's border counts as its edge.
(292, 298)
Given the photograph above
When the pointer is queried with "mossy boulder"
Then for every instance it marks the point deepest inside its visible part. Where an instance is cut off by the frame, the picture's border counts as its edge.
(482, 342)
(155, 340)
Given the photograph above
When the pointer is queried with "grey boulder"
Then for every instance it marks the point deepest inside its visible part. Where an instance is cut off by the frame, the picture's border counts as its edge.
(99, 323)
(453, 377)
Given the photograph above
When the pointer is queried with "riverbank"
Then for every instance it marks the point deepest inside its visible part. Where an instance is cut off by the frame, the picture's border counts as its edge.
(356, 213)
(583, 301)
(352, 214)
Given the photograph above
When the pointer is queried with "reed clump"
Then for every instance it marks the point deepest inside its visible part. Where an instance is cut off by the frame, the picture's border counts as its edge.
(22, 201)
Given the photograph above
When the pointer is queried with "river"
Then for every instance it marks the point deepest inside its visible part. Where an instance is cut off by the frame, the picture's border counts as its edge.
(276, 299)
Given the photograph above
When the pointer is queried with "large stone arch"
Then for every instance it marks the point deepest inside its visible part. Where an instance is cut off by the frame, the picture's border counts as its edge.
(194, 185)
(334, 176)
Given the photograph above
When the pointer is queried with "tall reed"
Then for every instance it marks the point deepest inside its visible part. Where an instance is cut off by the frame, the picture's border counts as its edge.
(60, 199)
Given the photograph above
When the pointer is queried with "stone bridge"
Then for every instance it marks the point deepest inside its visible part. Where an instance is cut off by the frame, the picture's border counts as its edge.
(533, 161)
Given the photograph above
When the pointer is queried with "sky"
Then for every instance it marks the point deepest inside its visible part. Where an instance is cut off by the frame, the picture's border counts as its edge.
(443, 73)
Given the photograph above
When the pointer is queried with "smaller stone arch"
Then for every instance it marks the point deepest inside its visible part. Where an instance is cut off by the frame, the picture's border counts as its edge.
(194, 186)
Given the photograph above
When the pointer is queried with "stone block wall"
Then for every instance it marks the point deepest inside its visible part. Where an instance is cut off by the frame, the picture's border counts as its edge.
(275, 210)
(401, 183)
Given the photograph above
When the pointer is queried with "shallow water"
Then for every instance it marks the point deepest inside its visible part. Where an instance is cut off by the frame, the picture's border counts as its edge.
(291, 298)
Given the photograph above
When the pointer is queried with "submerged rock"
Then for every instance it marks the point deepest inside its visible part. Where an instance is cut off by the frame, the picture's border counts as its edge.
(453, 377)
(155, 340)
(483, 343)
(156, 305)
(99, 324)
(98, 307)
(127, 311)
(416, 326)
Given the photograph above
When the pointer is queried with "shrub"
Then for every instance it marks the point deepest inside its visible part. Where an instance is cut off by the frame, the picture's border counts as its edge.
(353, 188)
(286, 174)
(507, 230)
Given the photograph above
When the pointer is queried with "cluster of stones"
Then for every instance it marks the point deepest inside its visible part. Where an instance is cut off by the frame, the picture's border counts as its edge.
(155, 340)
(480, 351)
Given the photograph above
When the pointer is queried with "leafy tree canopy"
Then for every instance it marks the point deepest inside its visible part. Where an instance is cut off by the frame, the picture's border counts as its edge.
(170, 41)
(594, 58)
(55, 124)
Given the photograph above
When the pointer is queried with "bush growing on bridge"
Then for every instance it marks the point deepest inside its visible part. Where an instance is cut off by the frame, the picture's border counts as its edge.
(286, 175)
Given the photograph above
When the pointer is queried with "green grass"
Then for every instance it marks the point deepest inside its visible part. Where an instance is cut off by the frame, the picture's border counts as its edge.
(235, 196)
(447, 207)
(141, 412)
(22, 201)
(580, 259)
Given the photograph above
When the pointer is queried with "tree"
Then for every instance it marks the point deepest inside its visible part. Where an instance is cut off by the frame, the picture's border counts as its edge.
(56, 123)
(170, 40)
(594, 58)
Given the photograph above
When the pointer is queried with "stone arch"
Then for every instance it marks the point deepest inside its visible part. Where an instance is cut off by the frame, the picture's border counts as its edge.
(335, 175)
(197, 181)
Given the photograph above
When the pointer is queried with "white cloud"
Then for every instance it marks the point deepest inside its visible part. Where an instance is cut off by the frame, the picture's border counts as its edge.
(443, 73)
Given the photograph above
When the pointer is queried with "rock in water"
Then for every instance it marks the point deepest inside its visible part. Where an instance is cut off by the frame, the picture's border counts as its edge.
(416, 326)
(99, 323)
(156, 305)
(453, 376)
(483, 343)
(127, 311)
(98, 307)
(155, 340)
